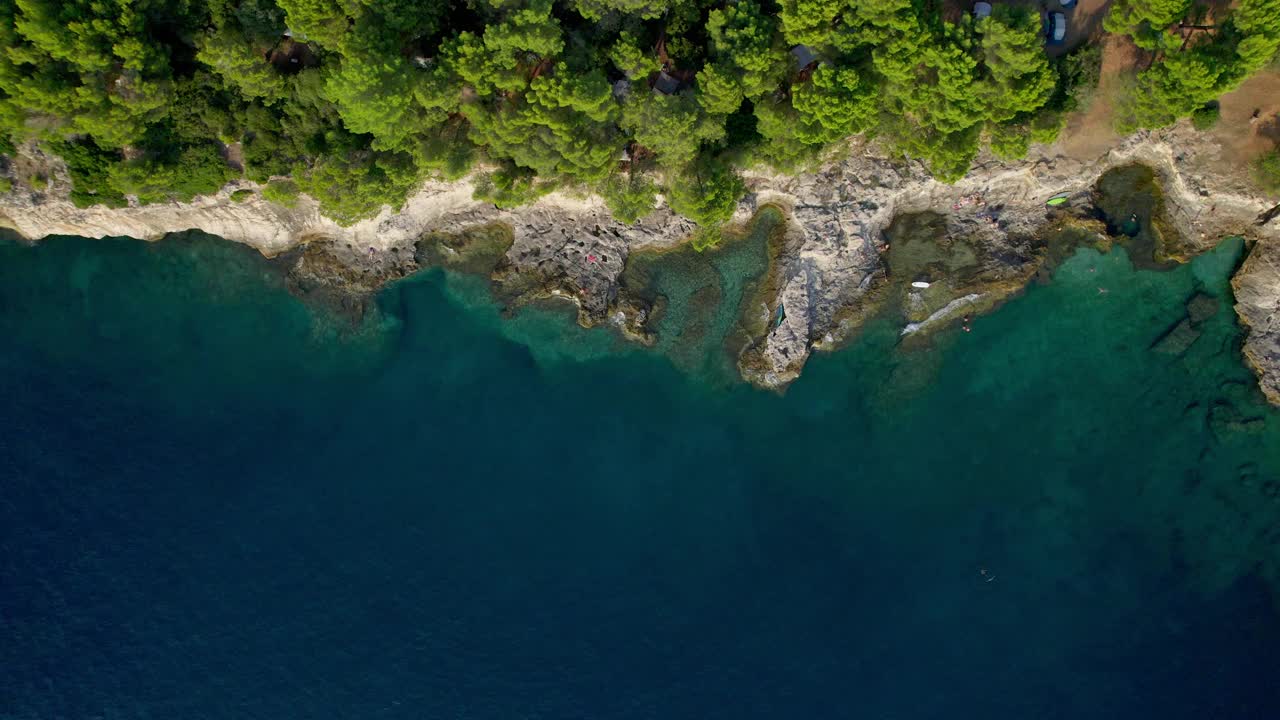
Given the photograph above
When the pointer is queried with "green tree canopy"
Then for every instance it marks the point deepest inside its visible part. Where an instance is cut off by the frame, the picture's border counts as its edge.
(1018, 79)
(705, 191)
(1147, 20)
(673, 126)
(742, 35)
(356, 101)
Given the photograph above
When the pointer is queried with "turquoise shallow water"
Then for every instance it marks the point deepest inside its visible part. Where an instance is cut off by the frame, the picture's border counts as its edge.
(218, 503)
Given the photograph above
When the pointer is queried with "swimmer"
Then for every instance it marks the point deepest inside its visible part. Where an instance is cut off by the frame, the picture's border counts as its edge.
(1102, 291)
(986, 575)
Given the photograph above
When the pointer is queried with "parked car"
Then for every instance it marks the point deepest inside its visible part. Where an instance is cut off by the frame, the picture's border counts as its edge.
(981, 10)
(1056, 28)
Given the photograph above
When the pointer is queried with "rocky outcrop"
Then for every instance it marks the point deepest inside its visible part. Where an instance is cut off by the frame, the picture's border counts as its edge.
(845, 209)
(578, 252)
(833, 266)
(1257, 291)
(272, 229)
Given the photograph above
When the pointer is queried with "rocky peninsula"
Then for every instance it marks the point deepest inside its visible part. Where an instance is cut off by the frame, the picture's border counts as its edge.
(834, 265)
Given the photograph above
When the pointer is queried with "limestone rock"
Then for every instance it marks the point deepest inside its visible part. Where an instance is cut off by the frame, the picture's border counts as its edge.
(1257, 291)
(829, 276)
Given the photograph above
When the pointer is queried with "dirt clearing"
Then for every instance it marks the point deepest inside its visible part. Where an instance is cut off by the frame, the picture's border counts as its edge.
(1242, 136)
(1092, 132)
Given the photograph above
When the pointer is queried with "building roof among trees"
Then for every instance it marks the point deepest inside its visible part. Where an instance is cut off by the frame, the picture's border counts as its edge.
(666, 83)
(804, 55)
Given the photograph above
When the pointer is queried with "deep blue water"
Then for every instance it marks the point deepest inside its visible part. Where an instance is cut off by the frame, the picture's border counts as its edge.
(219, 503)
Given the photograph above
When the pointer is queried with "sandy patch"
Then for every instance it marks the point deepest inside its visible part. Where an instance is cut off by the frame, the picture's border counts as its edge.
(1241, 137)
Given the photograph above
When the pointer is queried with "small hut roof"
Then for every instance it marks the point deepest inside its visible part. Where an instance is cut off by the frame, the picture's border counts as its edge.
(666, 84)
(804, 55)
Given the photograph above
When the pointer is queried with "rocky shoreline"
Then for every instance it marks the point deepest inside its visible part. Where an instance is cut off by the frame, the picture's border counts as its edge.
(837, 262)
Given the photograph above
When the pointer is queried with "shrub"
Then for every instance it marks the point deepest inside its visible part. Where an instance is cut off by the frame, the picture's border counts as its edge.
(1078, 73)
(510, 187)
(1266, 170)
(630, 196)
(1010, 142)
(5, 185)
(1047, 126)
(241, 195)
(1206, 117)
(706, 192)
(90, 167)
(706, 238)
(357, 186)
(201, 170)
(281, 192)
(197, 170)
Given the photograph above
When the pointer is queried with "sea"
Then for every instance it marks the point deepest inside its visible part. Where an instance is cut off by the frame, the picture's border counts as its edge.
(219, 502)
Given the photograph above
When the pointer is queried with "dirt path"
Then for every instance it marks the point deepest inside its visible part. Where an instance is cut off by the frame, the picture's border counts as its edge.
(1091, 133)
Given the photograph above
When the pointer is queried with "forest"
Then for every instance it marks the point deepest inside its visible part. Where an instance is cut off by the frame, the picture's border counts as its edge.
(356, 102)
